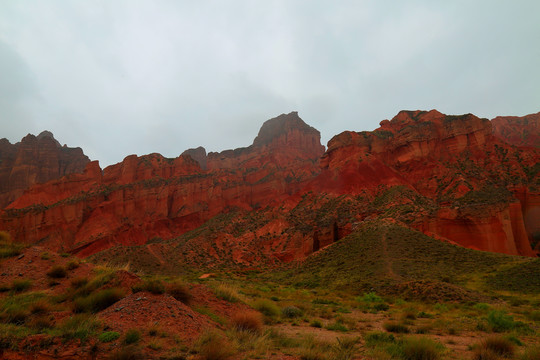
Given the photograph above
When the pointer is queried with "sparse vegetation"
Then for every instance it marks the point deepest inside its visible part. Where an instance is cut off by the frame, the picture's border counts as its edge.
(98, 301)
(108, 336)
(247, 321)
(57, 272)
(132, 336)
(179, 291)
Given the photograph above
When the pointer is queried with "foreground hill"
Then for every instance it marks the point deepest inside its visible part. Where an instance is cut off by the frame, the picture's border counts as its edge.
(281, 198)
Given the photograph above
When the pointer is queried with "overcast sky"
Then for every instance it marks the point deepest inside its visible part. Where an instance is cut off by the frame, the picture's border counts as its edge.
(124, 77)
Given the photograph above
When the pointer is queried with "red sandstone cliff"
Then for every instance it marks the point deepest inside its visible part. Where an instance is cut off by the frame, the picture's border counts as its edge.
(34, 160)
(453, 161)
(279, 200)
(150, 196)
(519, 131)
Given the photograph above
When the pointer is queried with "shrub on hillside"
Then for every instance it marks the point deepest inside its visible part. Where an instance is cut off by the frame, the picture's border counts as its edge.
(214, 346)
(395, 327)
(267, 307)
(98, 301)
(57, 272)
(498, 345)
(153, 286)
(21, 285)
(421, 348)
(499, 321)
(132, 336)
(247, 321)
(179, 291)
(291, 312)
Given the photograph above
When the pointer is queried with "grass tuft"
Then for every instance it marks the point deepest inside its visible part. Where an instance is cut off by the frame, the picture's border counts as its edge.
(247, 321)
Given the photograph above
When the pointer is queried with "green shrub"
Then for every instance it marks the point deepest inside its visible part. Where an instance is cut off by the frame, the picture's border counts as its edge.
(40, 307)
(498, 345)
(421, 348)
(180, 292)
(79, 326)
(370, 297)
(155, 287)
(377, 338)
(108, 336)
(132, 336)
(381, 306)
(57, 272)
(337, 326)
(266, 307)
(21, 285)
(499, 321)
(532, 353)
(213, 346)
(79, 282)
(98, 301)
(316, 324)
(227, 293)
(395, 327)
(72, 265)
(291, 312)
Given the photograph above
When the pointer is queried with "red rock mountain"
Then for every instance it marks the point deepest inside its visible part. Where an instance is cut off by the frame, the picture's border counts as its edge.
(280, 199)
(35, 160)
(519, 131)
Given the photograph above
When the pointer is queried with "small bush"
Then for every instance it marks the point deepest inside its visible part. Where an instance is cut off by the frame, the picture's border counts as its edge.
(316, 324)
(344, 349)
(72, 265)
(247, 321)
(377, 338)
(291, 312)
(370, 297)
(79, 327)
(213, 346)
(421, 349)
(79, 282)
(227, 293)
(108, 336)
(21, 285)
(498, 345)
(57, 272)
(180, 292)
(266, 307)
(14, 315)
(155, 287)
(337, 326)
(532, 353)
(98, 301)
(499, 321)
(484, 354)
(381, 306)
(45, 256)
(132, 336)
(40, 307)
(397, 328)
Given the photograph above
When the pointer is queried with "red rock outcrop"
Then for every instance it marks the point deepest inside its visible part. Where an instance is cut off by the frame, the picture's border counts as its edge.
(153, 197)
(279, 200)
(442, 158)
(34, 160)
(519, 131)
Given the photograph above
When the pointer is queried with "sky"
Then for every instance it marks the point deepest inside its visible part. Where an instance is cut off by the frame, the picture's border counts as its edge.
(135, 77)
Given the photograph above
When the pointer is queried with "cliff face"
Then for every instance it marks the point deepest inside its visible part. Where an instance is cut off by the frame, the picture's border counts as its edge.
(152, 197)
(519, 131)
(35, 160)
(283, 197)
(453, 161)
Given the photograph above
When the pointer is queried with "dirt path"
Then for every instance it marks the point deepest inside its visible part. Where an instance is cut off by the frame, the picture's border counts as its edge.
(388, 260)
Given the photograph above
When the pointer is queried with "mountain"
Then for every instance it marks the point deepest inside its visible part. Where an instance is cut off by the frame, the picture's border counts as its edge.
(519, 131)
(284, 197)
(35, 160)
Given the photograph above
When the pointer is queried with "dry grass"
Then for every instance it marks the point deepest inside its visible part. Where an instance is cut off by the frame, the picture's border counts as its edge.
(179, 291)
(213, 346)
(247, 321)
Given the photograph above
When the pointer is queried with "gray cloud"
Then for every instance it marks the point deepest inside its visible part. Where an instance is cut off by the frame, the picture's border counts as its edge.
(128, 77)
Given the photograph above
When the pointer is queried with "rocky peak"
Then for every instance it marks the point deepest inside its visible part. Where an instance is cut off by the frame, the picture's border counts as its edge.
(281, 126)
(197, 154)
